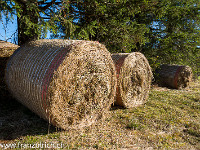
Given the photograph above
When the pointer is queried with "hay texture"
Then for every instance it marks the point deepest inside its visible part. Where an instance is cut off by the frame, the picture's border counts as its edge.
(7, 48)
(174, 76)
(134, 78)
(70, 83)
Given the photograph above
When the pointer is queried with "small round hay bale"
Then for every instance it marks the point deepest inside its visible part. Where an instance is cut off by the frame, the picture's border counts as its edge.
(174, 76)
(134, 78)
(7, 48)
(69, 83)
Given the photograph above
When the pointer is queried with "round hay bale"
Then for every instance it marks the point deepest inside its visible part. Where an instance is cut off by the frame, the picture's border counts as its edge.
(70, 83)
(7, 48)
(134, 78)
(174, 76)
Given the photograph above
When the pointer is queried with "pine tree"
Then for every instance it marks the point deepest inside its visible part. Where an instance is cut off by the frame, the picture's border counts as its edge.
(165, 31)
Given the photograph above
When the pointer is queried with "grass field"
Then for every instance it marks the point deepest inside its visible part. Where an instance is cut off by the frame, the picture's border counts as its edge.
(169, 120)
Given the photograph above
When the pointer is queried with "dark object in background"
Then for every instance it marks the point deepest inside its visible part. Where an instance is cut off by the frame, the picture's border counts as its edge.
(6, 50)
(174, 76)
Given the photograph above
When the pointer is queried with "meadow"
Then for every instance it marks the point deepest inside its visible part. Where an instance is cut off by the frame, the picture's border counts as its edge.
(169, 120)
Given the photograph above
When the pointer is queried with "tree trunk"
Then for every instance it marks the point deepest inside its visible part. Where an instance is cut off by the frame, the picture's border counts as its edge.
(26, 32)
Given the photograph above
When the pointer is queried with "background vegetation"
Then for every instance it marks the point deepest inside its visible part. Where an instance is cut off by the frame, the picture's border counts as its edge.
(165, 31)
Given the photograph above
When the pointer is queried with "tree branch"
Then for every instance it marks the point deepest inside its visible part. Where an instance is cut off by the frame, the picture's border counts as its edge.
(48, 4)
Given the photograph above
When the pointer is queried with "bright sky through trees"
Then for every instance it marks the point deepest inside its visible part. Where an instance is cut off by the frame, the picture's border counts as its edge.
(8, 30)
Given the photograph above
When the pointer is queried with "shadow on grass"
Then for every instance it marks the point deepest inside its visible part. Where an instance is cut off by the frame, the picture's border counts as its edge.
(15, 119)
(116, 107)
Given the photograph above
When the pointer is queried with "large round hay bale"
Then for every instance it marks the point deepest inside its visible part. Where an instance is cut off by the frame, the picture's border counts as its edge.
(70, 83)
(174, 76)
(134, 78)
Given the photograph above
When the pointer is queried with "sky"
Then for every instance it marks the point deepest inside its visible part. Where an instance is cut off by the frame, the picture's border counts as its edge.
(7, 31)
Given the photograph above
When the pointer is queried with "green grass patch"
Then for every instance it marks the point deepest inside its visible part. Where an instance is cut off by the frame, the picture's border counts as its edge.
(169, 120)
(166, 119)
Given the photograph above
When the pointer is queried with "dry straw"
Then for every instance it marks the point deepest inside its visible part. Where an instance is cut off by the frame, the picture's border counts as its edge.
(70, 83)
(7, 48)
(134, 77)
(174, 76)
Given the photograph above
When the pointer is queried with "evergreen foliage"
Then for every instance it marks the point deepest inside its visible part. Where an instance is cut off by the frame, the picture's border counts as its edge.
(165, 31)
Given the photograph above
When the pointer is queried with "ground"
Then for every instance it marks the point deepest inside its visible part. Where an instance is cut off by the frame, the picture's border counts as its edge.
(169, 120)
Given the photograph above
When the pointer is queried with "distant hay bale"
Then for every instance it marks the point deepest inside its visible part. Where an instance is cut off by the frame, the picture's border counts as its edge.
(69, 83)
(174, 76)
(7, 48)
(134, 78)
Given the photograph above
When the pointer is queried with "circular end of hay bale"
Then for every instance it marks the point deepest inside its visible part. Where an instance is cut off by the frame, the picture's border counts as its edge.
(80, 97)
(69, 83)
(183, 77)
(134, 79)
